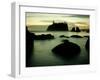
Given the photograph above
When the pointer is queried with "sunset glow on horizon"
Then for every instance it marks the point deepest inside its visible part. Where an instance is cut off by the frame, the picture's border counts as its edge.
(81, 21)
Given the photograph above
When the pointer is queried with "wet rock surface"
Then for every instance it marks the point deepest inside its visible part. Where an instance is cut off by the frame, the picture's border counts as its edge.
(67, 49)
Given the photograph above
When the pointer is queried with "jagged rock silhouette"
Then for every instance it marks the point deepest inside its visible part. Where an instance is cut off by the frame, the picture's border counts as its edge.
(58, 27)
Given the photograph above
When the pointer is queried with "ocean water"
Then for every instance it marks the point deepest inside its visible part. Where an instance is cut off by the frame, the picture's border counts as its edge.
(42, 54)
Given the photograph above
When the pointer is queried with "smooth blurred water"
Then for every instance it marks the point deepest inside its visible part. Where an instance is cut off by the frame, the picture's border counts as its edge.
(43, 56)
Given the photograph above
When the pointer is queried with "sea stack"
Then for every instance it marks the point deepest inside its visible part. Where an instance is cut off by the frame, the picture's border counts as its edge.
(76, 29)
(58, 27)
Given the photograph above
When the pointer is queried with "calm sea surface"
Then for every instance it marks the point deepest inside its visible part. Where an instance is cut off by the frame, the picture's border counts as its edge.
(43, 56)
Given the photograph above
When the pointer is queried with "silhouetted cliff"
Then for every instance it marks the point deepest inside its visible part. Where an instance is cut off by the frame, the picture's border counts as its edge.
(58, 27)
(29, 46)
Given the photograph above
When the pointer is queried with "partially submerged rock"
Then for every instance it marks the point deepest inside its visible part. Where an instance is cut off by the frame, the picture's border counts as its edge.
(86, 36)
(76, 36)
(63, 36)
(43, 37)
(67, 49)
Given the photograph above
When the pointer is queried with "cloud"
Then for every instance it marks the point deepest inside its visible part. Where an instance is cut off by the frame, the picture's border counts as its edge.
(80, 16)
(82, 23)
(46, 20)
(51, 21)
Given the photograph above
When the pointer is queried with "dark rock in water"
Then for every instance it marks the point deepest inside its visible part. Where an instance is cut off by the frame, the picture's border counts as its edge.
(73, 29)
(65, 41)
(63, 36)
(29, 46)
(31, 36)
(67, 49)
(86, 36)
(87, 31)
(58, 27)
(76, 29)
(43, 37)
(87, 45)
(76, 36)
(29, 41)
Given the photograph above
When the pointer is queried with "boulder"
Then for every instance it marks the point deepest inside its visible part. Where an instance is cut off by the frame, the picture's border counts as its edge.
(76, 36)
(67, 49)
(63, 36)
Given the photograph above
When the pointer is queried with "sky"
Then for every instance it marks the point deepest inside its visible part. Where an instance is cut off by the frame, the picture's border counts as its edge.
(46, 19)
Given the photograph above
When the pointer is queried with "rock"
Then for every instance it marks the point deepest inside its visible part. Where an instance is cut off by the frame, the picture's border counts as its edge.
(43, 37)
(63, 36)
(76, 29)
(29, 42)
(73, 29)
(87, 30)
(29, 38)
(58, 27)
(86, 36)
(29, 46)
(76, 36)
(67, 49)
